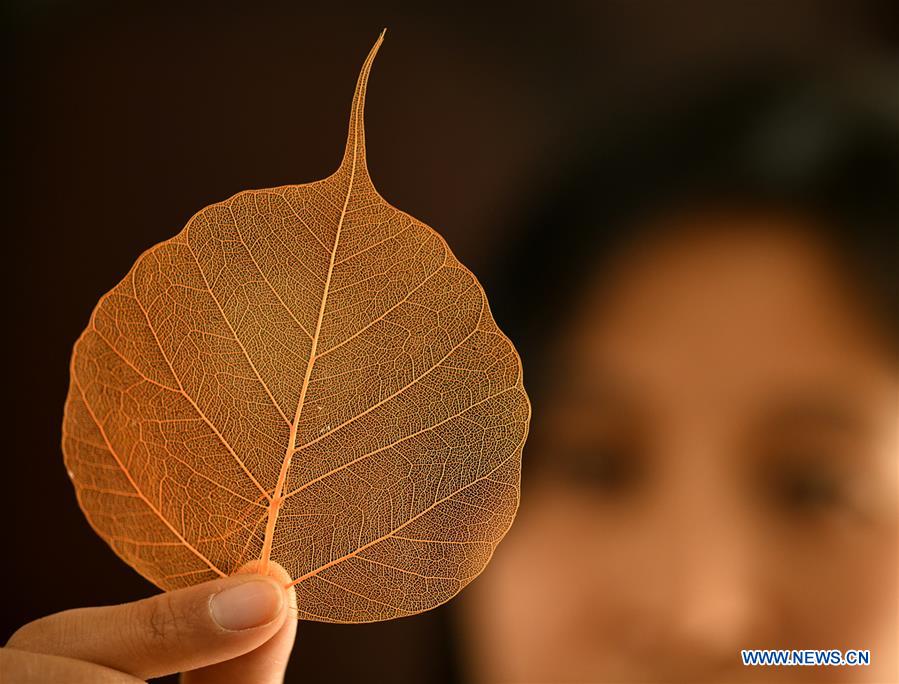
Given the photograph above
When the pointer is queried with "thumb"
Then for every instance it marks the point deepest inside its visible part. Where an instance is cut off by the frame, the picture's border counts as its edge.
(264, 665)
(172, 632)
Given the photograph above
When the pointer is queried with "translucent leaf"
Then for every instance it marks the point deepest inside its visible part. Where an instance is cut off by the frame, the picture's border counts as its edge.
(307, 375)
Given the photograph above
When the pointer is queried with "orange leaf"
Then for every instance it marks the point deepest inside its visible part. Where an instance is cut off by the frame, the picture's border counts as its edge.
(306, 375)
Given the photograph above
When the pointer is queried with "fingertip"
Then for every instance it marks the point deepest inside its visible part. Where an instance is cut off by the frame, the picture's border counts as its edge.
(277, 574)
(250, 604)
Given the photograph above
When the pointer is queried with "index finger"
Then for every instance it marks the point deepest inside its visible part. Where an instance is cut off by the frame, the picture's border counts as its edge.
(171, 632)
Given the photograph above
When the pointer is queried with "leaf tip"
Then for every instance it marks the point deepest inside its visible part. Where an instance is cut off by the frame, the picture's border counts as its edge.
(354, 153)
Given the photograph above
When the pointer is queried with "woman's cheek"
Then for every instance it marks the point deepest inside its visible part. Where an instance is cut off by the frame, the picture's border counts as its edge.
(557, 597)
(834, 586)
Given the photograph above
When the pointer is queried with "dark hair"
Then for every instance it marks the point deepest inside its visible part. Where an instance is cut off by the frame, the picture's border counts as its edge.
(764, 140)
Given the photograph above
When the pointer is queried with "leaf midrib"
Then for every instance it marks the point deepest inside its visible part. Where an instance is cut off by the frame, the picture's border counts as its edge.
(277, 499)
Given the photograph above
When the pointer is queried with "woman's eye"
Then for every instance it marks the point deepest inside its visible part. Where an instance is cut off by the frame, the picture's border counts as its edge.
(611, 471)
(806, 489)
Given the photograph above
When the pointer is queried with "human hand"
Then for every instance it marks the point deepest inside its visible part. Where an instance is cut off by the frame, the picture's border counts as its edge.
(228, 631)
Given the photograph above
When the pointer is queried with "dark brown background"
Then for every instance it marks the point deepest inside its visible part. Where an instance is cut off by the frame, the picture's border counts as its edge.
(129, 117)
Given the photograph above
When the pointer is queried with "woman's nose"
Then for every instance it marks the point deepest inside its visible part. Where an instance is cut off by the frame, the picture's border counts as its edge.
(714, 588)
(707, 601)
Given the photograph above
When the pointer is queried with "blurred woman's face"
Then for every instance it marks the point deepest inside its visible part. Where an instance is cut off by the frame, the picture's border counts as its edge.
(715, 468)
